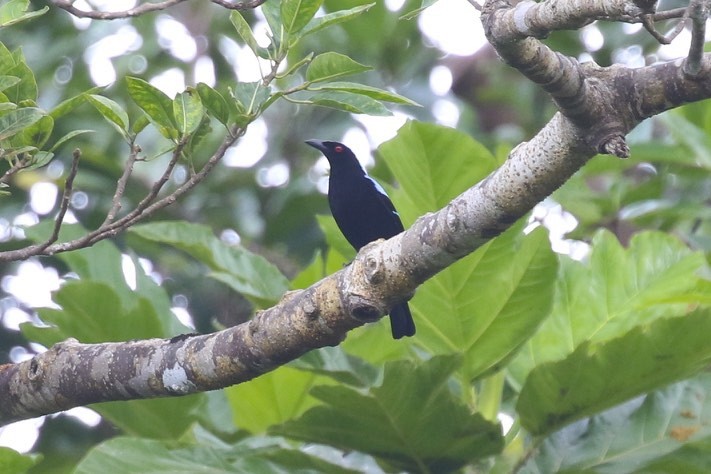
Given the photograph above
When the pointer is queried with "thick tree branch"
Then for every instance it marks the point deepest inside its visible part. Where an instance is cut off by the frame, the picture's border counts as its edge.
(614, 101)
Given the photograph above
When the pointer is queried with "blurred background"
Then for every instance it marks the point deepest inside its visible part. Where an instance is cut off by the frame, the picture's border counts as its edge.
(270, 187)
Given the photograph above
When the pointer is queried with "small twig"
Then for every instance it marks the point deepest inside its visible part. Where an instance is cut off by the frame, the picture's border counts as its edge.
(648, 22)
(148, 210)
(657, 16)
(477, 6)
(64, 203)
(18, 166)
(158, 185)
(121, 185)
(238, 6)
(67, 6)
(699, 13)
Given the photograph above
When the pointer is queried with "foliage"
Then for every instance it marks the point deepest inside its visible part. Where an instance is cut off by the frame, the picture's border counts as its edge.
(600, 362)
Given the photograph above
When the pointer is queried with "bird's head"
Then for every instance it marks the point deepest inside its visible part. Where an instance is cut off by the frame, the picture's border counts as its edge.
(332, 150)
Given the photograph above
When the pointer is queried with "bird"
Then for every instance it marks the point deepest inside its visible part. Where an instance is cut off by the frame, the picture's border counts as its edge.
(363, 212)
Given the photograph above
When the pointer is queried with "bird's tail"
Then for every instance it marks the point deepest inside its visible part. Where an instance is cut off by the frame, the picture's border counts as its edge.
(401, 322)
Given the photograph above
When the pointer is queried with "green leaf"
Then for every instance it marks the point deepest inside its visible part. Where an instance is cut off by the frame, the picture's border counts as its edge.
(692, 137)
(372, 92)
(111, 111)
(657, 276)
(410, 423)
(17, 120)
(272, 13)
(349, 102)
(251, 455)
(487, 305)
(599, 375)
(335, 363)
(263, 402)
(8, 81)
(153, 418)
(250, 96)
(187, 111)
(155, 104)
(213, 101)
(38, 133)
(92, 312)
(6, 59)
(68, 137)
(102, 264)
(26, 89)
(333, 18)
(424, 6)
(72, 103)
(15, 11)
(490, 303)
(665, 431)
(295, 14)
(12, 462)
(329, 66)
(245, 32)
(247, 273)
(140, 123)
(39, 159)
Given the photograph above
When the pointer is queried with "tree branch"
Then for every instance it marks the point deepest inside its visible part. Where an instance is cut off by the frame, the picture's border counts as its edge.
(148, 205)
(68, 6)
(614, 100)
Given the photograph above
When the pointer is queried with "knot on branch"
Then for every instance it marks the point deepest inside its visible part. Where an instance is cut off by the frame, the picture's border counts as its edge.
(616, 146)
(364, 310)
(374, 271)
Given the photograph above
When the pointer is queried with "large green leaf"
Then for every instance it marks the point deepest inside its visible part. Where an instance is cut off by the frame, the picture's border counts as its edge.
(489, 304)
(695, 139)
(12, 462)
(664, 431)
(616, 291)
(433, 164)
(249, 456)
(247, 273)
(599, 375)
(263, 402)
(411, 422)
(162, 418)
(101, 265)
(92, 312)
(337, 364)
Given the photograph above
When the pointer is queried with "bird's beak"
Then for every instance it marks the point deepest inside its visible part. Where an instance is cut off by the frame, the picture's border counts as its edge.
(318, 144)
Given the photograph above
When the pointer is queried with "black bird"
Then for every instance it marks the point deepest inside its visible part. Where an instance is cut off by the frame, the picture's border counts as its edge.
(363, 212)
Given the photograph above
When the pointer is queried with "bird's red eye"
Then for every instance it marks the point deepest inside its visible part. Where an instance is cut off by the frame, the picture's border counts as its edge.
(338, 148)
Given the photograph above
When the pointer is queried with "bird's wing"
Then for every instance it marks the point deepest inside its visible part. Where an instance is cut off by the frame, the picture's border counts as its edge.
(384, 198)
